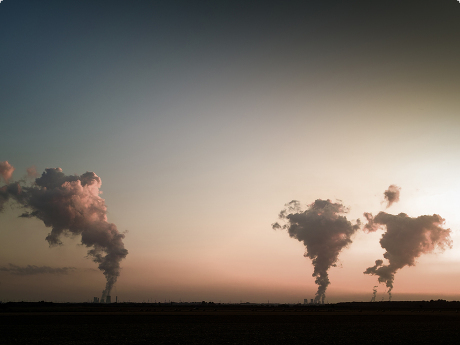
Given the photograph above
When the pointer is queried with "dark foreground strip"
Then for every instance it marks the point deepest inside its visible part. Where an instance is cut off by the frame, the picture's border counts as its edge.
(228, 329)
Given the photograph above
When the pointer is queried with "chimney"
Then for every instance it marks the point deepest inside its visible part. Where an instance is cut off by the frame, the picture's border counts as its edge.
(108, 299)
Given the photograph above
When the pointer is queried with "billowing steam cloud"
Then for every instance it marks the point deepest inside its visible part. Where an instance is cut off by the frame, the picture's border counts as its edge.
(71, 204)
(33, 270)
(392, 195)
(405, 239)
(323, 230)
(5, 191)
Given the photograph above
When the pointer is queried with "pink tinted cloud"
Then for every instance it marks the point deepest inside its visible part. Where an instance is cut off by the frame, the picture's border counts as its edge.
(32, 172)
(6, 170)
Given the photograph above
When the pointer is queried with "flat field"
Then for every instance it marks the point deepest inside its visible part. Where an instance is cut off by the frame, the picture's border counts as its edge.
(141, 324)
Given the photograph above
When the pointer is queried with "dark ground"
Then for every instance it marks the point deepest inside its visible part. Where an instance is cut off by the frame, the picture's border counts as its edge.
(35, 323)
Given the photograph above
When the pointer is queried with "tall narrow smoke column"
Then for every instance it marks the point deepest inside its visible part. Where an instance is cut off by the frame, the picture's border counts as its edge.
(374, 293)
(323, 230)
(71, 204)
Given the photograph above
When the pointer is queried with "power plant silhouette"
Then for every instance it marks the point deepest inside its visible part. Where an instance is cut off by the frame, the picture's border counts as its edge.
(108, 299)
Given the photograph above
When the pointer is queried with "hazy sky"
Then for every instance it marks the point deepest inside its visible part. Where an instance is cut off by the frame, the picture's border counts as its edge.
(204, 118)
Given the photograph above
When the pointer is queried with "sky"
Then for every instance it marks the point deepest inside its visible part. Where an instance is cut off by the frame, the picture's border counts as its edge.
(202, 119)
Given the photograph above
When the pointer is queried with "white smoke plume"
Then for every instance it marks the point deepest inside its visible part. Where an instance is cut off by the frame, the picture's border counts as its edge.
(323, 230)
(404, 240)
(72, 204)
(392, 195)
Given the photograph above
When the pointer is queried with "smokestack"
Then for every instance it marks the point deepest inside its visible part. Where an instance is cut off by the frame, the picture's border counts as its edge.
(116, 299)
(108, 299)
(324, 231)
(71, 205)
